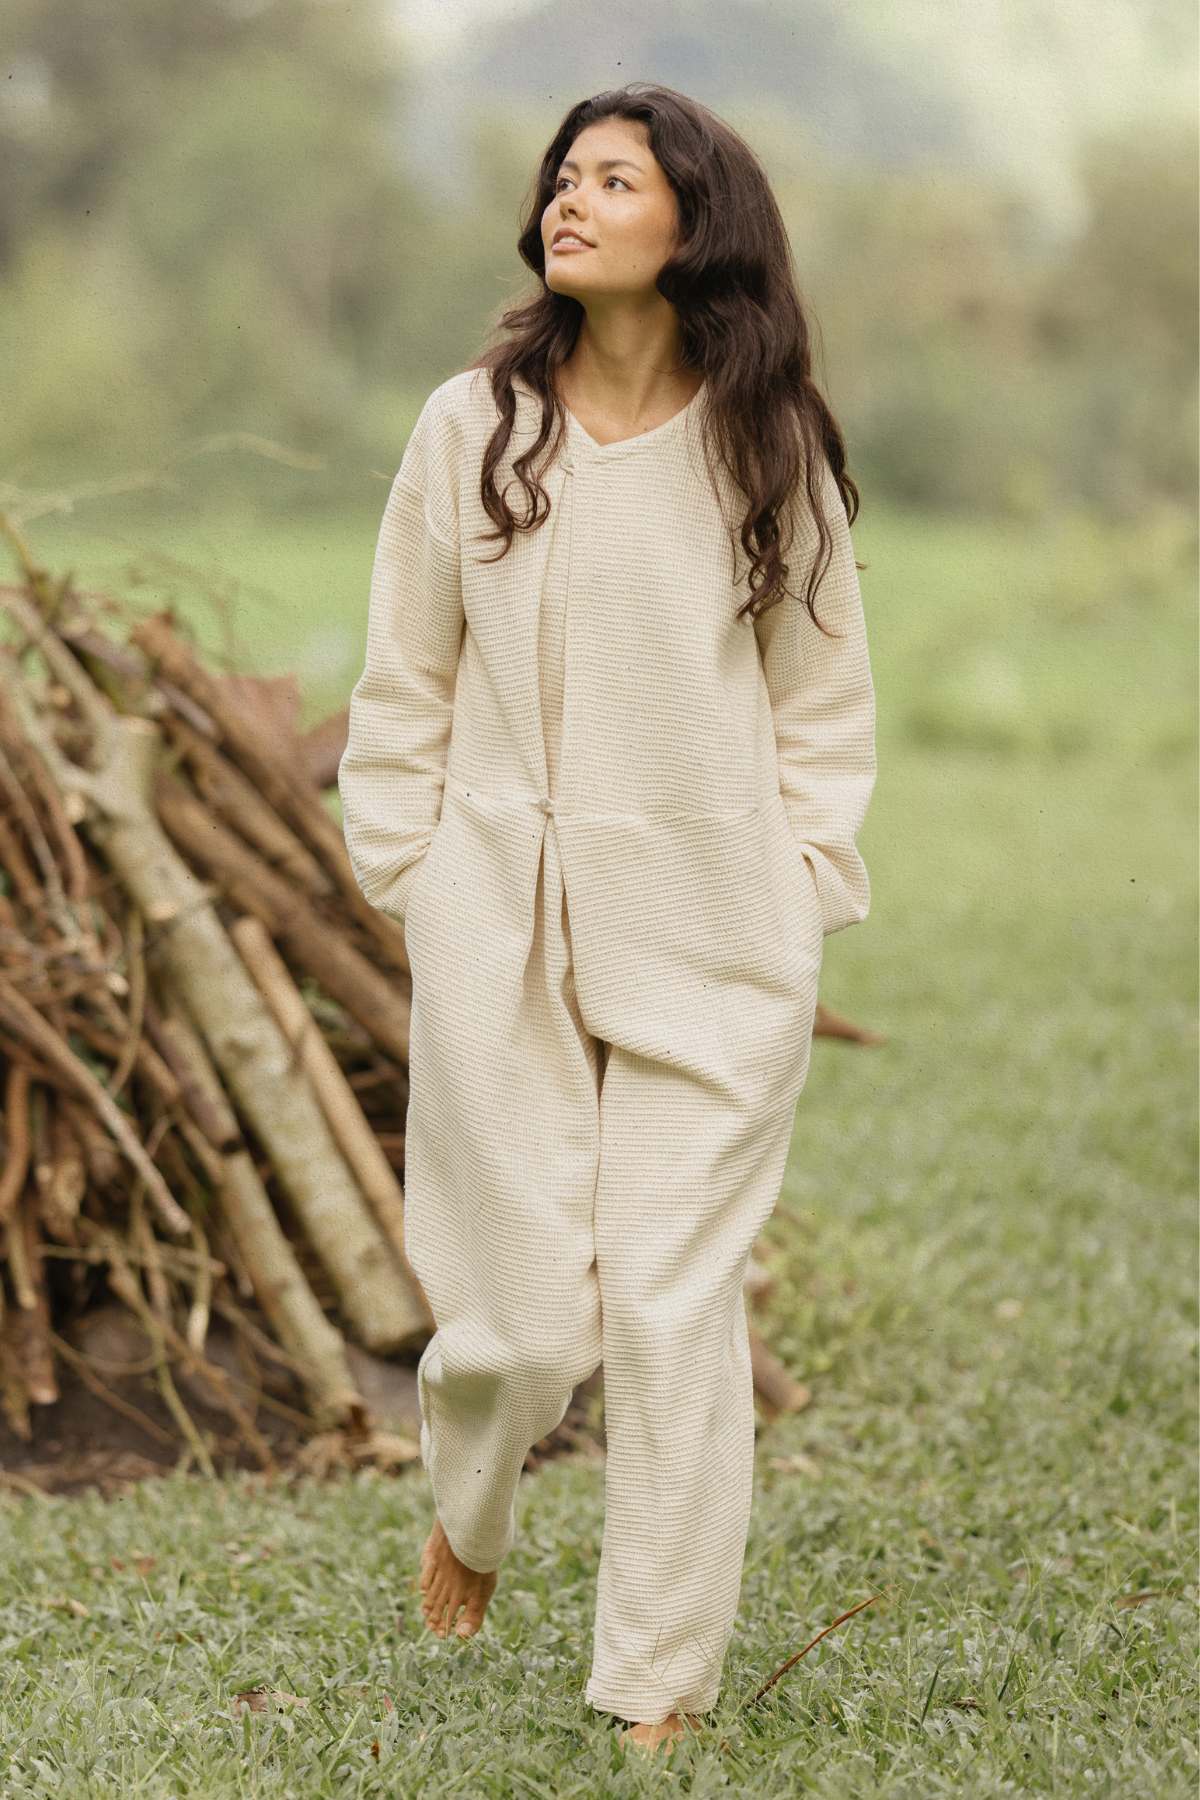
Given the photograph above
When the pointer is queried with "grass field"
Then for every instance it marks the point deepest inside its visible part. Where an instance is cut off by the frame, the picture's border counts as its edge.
(986, 1251)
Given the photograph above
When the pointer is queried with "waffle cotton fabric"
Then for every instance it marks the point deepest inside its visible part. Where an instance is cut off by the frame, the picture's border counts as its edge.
(617, 824)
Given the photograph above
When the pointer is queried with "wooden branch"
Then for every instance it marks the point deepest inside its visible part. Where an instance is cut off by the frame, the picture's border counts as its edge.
(62, 1177)
(19, 1017)
(273, 1268)
(171, 1034)
(18, 868)
(34, 1354)
(102, 1391)
(368, 993)
(154, 1071)
(16, 1136)
(101, 1155)
(229, 795)
(245, 1041)
(127, 1288)
(354, 1136)
(323, 747)
(272, 774)
(53, 804)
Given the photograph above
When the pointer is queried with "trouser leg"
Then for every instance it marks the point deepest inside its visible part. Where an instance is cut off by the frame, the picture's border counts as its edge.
(502, 1144)
(687, 1179)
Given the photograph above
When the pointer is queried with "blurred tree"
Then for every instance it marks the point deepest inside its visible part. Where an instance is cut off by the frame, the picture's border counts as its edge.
(233, 168)
(235, 214)
(1118, 313)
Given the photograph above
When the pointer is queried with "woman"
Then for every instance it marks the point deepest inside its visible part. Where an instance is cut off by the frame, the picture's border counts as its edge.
(610, 779)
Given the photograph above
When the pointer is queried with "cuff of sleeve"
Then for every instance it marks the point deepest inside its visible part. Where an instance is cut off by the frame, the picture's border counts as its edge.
(393, 899)
(842, 883)
(842, 886)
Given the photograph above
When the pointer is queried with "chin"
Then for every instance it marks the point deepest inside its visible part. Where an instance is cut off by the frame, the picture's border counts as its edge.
(557, 281)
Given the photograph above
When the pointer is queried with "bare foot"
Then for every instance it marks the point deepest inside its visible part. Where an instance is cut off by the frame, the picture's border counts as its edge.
(668, 1731)
(448, 1586)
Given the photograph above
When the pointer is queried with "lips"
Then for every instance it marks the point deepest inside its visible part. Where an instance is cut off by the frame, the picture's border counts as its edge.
(561, 234)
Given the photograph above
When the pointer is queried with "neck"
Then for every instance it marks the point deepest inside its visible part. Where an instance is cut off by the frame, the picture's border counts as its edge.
(628, 368)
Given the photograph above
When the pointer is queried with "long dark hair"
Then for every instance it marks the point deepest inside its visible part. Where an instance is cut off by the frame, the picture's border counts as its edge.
(742, 324)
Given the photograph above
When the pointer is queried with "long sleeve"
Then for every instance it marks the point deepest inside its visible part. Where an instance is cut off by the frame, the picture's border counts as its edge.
(823, 706)
(392, 773)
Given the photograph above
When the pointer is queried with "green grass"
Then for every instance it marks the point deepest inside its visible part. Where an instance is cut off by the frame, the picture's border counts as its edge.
(986, 1252)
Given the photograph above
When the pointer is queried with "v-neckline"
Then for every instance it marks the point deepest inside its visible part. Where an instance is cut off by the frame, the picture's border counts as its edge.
(639, 438)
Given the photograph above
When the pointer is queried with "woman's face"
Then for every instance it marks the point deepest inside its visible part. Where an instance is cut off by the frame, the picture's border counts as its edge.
(627, 213)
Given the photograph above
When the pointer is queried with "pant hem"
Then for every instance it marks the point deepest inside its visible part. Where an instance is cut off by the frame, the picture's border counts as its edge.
(480, 1562)
(633, 1711)
(486, 1563)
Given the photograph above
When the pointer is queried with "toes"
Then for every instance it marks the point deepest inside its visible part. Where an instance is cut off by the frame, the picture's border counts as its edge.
(472, 1618)
(450, 1603)
(452, 1611)
(435, 1603)
(443, 1605)
(448, 1589)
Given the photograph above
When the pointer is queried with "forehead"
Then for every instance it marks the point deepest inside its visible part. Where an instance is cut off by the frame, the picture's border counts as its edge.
(613, 145)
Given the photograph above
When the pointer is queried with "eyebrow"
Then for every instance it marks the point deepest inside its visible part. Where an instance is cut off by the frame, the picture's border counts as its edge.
(613, 162)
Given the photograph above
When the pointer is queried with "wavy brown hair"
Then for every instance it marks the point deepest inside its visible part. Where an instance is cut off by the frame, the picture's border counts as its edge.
(743, 327)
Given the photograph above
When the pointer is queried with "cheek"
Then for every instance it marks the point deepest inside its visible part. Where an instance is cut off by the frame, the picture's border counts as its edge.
(655, 222)
(650, 236)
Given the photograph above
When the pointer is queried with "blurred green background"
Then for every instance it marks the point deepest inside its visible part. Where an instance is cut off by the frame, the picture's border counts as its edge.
(241, 241)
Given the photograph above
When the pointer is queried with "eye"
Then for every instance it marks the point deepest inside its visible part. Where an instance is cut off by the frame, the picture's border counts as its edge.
(562, 178)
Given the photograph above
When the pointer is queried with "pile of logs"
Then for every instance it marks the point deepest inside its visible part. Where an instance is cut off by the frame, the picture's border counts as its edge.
(203, 1030)
(204, 1024)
